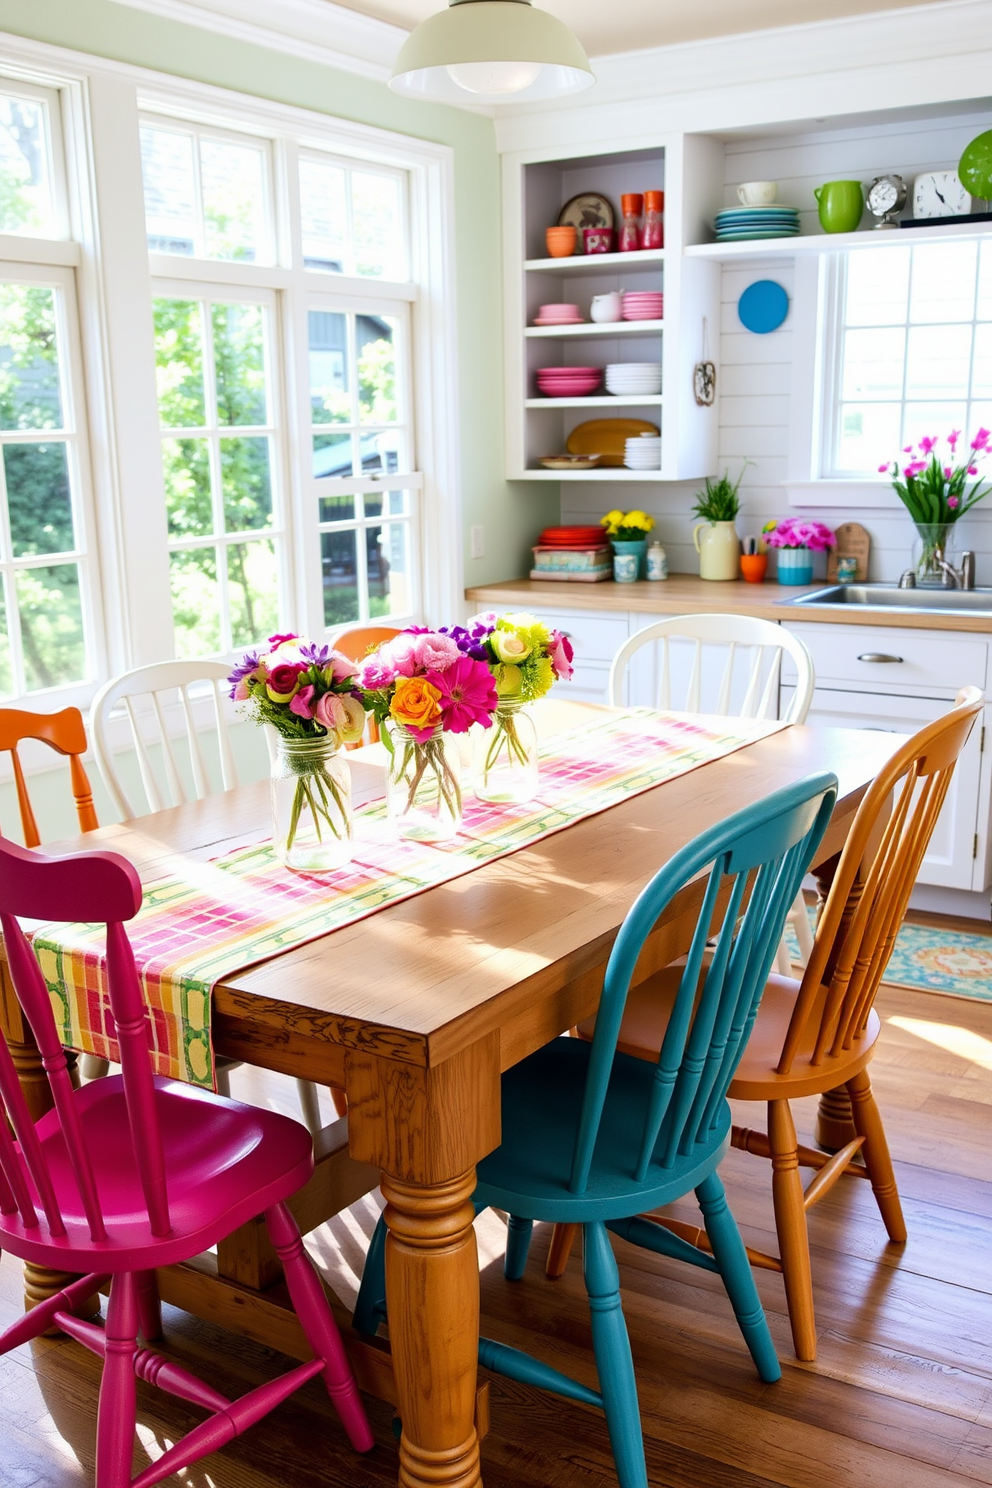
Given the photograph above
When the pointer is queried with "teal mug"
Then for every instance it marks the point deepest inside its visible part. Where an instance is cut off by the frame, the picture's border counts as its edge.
(841, 204)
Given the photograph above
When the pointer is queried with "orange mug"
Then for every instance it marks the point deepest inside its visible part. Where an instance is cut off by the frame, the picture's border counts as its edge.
(754, 566)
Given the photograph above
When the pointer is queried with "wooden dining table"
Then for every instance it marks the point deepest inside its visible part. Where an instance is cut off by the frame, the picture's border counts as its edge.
(415, 1012)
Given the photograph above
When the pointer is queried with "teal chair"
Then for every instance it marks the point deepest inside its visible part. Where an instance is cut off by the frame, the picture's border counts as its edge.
(597, 1138)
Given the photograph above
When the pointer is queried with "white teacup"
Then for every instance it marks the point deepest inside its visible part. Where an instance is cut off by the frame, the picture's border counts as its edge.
(757, 193)
(606, 307)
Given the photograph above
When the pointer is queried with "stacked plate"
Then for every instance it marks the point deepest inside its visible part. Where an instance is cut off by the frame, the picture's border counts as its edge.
(643, 452)
(578, 538)
(740, 224)
(630, 379)
(643, 305)
(558, 315)
(568, 382)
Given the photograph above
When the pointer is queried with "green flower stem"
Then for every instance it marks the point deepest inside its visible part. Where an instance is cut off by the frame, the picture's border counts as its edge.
(429, 756)
(315, 782)
(504, 735)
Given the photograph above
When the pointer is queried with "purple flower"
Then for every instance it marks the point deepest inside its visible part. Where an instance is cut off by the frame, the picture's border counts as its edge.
(316, 657)
(244, 669)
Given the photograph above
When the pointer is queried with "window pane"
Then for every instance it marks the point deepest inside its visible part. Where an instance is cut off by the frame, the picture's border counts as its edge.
(30, 397)
(253, 592)
(382, 452)
(239, 362)
(984, 302)
(195, 602)
(331, 455)
(943, 282)
(186, 467)
(378, 220)
(877, 286)
(330, 385)
(868, 435)
(232, 180)
(337, 508)
(179, 363)
(170, 190)
(26, 204)
(981, 381)
(51, 626)
(933, 419)
(873, 364)
(38, 499)
(324, 216)
(389, 569)
(376, 368)
(6, 665)
(938, 361)
(246, 484)
(340, 577)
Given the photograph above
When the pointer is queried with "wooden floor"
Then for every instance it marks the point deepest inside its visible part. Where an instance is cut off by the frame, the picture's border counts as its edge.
(901, 1396)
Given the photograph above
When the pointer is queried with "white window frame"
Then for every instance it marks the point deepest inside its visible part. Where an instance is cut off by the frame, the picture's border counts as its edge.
(19, 88)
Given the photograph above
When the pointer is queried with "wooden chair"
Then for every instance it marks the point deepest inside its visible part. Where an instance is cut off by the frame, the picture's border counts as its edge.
(134, 1172)
(160, 685)
(594, 1137)
(819, 1035)
(65, 733)
(742, 684)
(356, 644)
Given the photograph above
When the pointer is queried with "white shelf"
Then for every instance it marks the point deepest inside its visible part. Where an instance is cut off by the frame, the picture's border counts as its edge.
(592, 328)
(591, 263)
(605, 400)
(610, 473)
(834, 242)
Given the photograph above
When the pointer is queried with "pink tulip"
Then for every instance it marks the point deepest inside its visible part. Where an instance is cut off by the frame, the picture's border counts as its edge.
(952, 502)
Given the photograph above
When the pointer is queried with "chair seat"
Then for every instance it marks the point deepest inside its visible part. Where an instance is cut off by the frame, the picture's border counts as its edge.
(528, 1173)
(646, 1017)
(226, 1163)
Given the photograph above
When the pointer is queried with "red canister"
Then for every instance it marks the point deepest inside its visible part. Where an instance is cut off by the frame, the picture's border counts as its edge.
(653, 235)
(632, 205)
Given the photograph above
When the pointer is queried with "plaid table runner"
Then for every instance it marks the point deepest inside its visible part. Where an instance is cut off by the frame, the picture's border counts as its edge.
(209, 919)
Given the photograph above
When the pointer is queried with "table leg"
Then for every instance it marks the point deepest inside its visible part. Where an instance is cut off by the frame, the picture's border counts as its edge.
(427, 1128)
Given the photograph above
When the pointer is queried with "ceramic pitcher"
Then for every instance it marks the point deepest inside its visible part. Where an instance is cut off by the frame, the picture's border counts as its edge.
(719, 549)
(606, 307)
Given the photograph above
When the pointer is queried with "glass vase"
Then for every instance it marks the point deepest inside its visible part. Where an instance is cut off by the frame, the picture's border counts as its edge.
(311, 805)
(932, 547)
(506, 767)
(423, 793)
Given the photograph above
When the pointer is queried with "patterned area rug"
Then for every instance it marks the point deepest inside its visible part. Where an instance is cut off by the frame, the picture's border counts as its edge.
(949, 961)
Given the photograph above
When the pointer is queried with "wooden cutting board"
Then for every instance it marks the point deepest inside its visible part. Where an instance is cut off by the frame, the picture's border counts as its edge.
(852, 542)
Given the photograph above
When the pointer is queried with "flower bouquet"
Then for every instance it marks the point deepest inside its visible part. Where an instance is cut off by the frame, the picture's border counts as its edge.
(308, 695)
(796, 542)
(526, 658)
(934, 490)
(421, 686)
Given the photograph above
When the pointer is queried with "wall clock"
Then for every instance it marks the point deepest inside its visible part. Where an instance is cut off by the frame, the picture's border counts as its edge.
(940, 194)
(763, 306)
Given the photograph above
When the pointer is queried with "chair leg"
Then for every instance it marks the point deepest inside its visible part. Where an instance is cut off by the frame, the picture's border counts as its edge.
(614, 1364)
(790, 1224)
(92, 1067)
(370, 1308)
(309, 1106)
(149, 1305)
(116, 1412)
(340, 1100)
(562, 1240)
(518, 1233)
(316, 1320)
(735, 1271)
(222, 1077)
(868, 1124)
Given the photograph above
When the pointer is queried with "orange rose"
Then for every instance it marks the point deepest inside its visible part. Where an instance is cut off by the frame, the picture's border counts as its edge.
(416, 703)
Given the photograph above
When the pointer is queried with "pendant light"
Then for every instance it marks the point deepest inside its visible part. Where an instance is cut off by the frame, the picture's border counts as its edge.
(490, 51)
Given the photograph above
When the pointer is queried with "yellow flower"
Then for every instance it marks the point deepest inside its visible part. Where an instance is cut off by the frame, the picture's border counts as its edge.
(611, 521)
(416, 703)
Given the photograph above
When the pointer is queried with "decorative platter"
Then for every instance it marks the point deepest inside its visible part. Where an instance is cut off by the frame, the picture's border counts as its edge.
(569, 462)
(589, 209)
(607, 438)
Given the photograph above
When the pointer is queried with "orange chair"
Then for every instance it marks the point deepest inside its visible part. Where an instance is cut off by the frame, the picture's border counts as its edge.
(356, 644)
(819, 1035)
(66, 734)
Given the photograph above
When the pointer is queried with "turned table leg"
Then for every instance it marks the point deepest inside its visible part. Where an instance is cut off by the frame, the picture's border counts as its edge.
(834, 1121)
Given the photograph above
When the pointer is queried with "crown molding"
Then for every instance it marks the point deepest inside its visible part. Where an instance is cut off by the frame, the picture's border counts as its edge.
(316, 30)
(915, 56)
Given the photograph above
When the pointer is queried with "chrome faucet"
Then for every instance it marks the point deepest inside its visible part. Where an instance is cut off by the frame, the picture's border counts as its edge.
(954, 578)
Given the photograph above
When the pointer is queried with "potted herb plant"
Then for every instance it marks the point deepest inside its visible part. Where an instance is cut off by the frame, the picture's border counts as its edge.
(715, 534)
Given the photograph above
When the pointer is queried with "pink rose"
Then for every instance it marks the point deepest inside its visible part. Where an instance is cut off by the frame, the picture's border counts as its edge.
(302, 703)
(330, 712)
(561, 654)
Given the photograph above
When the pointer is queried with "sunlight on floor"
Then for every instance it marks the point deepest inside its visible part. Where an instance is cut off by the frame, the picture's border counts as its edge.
(960, 1041)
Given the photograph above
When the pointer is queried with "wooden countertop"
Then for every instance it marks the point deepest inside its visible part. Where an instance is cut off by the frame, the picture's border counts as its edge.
(682, 594)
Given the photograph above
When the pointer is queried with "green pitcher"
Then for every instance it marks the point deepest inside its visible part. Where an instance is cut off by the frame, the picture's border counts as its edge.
(841, 204)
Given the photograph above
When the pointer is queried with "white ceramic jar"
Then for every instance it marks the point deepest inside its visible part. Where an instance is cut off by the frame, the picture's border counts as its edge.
(719, 550)
(606, 307)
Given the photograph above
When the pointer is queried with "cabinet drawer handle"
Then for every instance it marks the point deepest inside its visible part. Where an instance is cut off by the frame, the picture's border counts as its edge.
(877, 656)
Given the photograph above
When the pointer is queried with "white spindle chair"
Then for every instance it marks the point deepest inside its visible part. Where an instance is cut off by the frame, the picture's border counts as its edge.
(157, 687)
(746, 685)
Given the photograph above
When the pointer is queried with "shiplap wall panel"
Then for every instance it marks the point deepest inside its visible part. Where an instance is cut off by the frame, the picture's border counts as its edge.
(755, 373)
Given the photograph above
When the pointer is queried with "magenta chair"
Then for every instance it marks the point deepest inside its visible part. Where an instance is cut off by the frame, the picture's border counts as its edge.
(133, 1172)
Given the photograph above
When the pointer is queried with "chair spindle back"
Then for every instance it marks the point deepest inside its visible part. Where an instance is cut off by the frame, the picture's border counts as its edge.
(66, 734)
(871, 887)
(88, 887)
(753, 864)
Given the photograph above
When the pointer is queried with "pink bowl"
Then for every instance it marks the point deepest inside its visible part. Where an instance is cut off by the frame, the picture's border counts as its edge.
(549, 310)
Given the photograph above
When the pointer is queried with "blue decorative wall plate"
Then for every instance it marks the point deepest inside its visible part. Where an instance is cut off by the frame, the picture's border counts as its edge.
(763, 306)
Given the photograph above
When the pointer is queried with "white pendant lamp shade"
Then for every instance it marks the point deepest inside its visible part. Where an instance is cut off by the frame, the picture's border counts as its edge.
(490, 51)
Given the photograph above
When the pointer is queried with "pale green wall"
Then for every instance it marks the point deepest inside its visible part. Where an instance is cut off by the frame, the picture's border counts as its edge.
(512, 514)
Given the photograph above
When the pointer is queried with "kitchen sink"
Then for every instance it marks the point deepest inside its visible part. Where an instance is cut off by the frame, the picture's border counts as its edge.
(891, 597)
